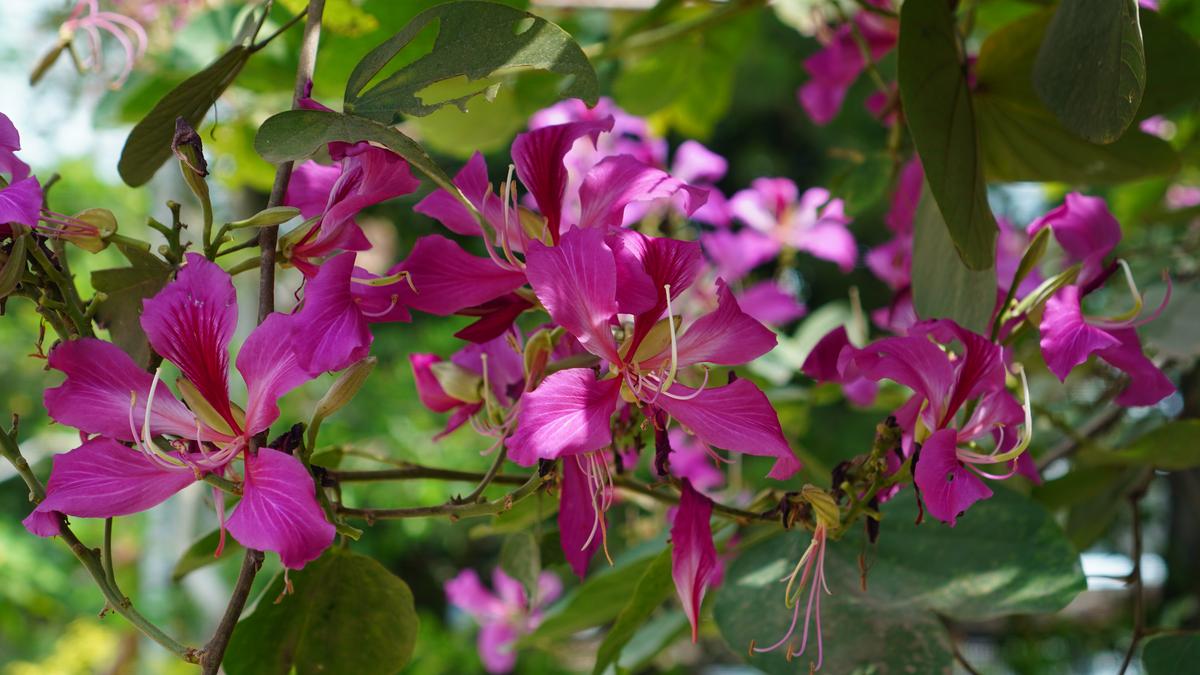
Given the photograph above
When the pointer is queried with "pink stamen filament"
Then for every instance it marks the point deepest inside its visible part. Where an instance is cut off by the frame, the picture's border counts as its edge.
(811, 571)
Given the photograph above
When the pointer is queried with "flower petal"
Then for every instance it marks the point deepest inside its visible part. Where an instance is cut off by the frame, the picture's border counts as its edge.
(576, 283)
(1067, 339)
(496, 641)
(190, 323)
(1085, 229)
(617, 181)
(538, 156)
(309, 187)
(330, 332)
(279, 510)
(694, 163)
(693, 554)
(473, 181)
(95, 398)
(466, 592)
(21, 202)
(577, 516)
(449, 279)
(1147, 384)
(768, 303)
(569, 413)
(736, 417)
(947, 487)
(726, 336)
(269, 367)
(429, 390)
(101, 479)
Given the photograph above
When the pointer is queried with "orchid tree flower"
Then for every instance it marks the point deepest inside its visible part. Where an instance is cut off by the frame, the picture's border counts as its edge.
(504, 615)
(1087, 234)
(106, 395)
(784, 219)
(584, 283)
(21, 193)
(836, 66)
(86, 16)
(479, 377)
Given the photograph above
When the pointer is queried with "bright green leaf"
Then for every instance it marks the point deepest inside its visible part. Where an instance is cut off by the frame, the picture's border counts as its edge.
(653, 588)
(937, 105)
(601, 597)
(1091, 70)
(149, 144)
(1171, 654)
(347, 615)
(942, 286)
(477, 43)
(202, 553)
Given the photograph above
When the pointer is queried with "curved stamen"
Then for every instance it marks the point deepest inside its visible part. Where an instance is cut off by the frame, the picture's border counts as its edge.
(402, 275)
(394, 300)
(1131, 322)
(674, 343)
(692, 395)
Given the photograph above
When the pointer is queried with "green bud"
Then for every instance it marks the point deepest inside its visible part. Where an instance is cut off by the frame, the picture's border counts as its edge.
(344, 388)
(276, 215)
(103, 224)
(13, 265)
(458, 382)
(537, 354)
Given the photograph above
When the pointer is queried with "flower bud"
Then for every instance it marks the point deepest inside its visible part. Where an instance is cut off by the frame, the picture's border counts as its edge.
(458, 382)
(344, 388)
(12, 265)
(537, 354)
(276, 215)
(825, 509)
(190, 152)
(93, 228)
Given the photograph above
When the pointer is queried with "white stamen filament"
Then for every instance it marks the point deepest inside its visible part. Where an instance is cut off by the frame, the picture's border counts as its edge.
(674, 343)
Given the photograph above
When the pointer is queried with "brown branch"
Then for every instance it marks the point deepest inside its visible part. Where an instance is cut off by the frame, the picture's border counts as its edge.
(1135, 575)
(214, 651)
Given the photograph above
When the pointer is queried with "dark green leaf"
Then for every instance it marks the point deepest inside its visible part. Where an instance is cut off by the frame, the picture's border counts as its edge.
(202, 553)
(937, 105)
(477, 42)
(521, 559)
(1174, 446)
(862, 632)
(348, 614)
(296, 134)
(1091, 70)
(149, 144)
(597, 601)
(1021, 139)
(1171, 654)
(1077, 486)
(1088, 520)
(652, 589)
(942, 286)
(126, 287)
(1171, 58)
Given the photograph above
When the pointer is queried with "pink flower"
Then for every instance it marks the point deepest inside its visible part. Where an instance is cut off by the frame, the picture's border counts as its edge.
(21, 197)
(834, 68)
(190, 323)
(693, 555)
(812, 222)
(504, 615)
(495, 362)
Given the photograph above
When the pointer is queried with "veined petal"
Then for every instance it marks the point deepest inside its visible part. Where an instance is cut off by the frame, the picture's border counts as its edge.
(279, 510)
(429, 390)
(914, 362)
(449, 279)
(569, 413)
(269, 367)
(473, 181)
(330, 332)
(309, 187)
(736, 417)
(617, 181)
(1067, 339)
(101, 479)
(726, 336)
(577, 517)
(21, 202)
(538, 156)
(95, 398)
(1085, 230)
(190, 323)
(948, 487)
(1147, 384)
(576, 282)
(693, 554)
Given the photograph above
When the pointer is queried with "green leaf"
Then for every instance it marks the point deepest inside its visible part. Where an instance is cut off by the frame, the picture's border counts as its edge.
(1171, 654)
(1022, 141)
(1175, 446)
(1077, 486)
(937, 105)
(126, 287)
(477, 42)
(347, 615)
(653, 588)
(296, 134)
(942, 286)
(149, 144)
(861, 632)
(1171, 58)
(1089, 519)
(521, 559)
(202, 553)
(1091, 70)
(596, 602)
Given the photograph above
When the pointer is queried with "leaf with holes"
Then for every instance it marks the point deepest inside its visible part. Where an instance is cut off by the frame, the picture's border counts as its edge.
(477, 44)
(149, 144)
(937, 105)
(1091, 68)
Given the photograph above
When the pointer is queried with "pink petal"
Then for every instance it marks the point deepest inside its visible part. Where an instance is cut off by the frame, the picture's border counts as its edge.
(569, 413)
(822, 363)
(620, 180)
(1147, 384)
(473, 181)
(449, 279)
(330, 332)
(429, 390)
(735, 254)
(190, 323)
(270, 369)
(695, 163)
(496, 648)
(947, 487)
(1067, 339)
(726, 336)
(309, 187)
(538, 156)
(829, 240)
(736, 417)
(693, 554)
(21, 202)
(576, 283)
(577, 517)
(769, 303)
(95, 398)
(466, 592)
(101, 479)
(689, 460)
(1084, 229)
(914, 362)
(279, 510)
(664, 262)
(892, 261)
(495, 317)
(904, 200)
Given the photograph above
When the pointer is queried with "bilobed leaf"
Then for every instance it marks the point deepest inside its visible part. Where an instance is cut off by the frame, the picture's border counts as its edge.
(1171, 654)
(202, 553)
(1022, 141)
(941, 119)
(942, 286)
(347, 615)
(521, 559)
(1174, 446)
(601, 597)
(1091, 69)
(149, 144)
(653, 588)
(477, 42)
(125, 288)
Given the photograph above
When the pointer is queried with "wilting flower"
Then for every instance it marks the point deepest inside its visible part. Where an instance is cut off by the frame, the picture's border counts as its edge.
(20, 194)
(87, 16)
(504, 615)
(190, 323)
(834, 68)
(475, 377)
(1088, 233)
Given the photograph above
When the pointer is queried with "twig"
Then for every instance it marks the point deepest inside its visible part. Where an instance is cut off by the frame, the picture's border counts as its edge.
(672, 498)
(1135, 575)
(488, 477)
(451, 509)
(417, 472)
(214, 651)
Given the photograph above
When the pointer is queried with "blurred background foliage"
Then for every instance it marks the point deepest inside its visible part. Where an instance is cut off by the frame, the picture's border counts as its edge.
(732, 86)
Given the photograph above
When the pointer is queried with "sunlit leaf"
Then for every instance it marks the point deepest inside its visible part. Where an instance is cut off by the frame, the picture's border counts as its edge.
(653, 588)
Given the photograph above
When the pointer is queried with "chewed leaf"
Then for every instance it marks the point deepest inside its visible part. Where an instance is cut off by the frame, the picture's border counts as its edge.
(477, 44)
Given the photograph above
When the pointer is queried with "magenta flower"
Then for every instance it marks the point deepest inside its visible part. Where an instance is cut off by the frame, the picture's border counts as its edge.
(693, 555)
(834, 68)
(811, 222)
(495, 362)
(190, 323)
(21, 196)
(504, 615)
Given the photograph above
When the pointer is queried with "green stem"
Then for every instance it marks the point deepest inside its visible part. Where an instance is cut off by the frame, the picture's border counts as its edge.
(452, 510)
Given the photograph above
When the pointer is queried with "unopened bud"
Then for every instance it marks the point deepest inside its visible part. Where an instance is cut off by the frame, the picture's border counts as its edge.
(276, 215)
(457, 381)
(190, 152)
(825, 509)
(537, 354)
(344, 388)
